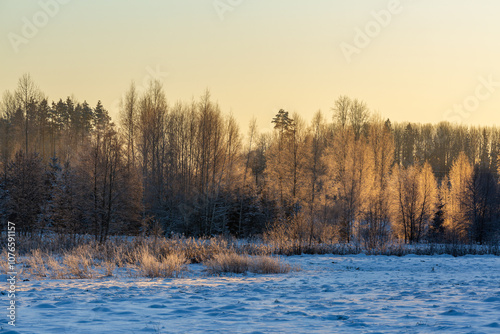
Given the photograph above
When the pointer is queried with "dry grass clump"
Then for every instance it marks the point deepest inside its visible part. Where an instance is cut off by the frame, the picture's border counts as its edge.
(269, 265)
(108, 267)
(195, 250)
(55, 268)
(74, 264)
(40, 264)
(236, 263)
(228, 263)
(36, 264)
(166, 266)
(4, 264)
(79, 263)
(151, 257)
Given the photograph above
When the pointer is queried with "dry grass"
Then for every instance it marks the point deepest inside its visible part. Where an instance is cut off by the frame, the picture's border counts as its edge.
(4, 264)
(236, 263)
(78, 266)
(269, 265)
(148, 257)
(36, 264)
(160, 257)
(55, 268)
(166, 266)
(108, 267)
(228, 263)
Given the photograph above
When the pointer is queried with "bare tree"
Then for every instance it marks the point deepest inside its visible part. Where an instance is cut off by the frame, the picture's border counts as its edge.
(111, 193)
(349, 179)
(315, 144)
(27, 94)
(480, 198)
(252, 133)
(376, 225)
(152, 144)
(358, 116)
(128, 121)
(414, 200)
(454, 198)
(341, 110)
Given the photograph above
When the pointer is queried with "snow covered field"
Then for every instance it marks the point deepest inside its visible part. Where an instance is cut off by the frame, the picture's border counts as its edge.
(346, 294)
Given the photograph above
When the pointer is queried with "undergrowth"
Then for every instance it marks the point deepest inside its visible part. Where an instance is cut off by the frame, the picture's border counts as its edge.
(70, 257)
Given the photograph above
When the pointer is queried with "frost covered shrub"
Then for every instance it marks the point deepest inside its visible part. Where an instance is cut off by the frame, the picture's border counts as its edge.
(4, 264)
(78, 266)
(169, 266)
(228, 263)
(236, 263)
(269, 265)
(40, 264)
(55, 269)
(79, 262)
(194, 250)
(109, 267)
(301, 235)
(36, 264)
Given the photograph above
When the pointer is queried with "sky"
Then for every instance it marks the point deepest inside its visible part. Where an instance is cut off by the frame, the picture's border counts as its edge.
(409, 60)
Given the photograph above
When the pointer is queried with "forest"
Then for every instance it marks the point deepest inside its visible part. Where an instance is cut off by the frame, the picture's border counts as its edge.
(186, 168)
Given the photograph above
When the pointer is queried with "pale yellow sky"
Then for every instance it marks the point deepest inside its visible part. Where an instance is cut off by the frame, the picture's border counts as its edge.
(415, 60)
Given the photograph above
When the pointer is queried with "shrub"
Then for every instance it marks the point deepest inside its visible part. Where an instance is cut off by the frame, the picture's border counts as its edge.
(55, 268)
(228, 263)
(109, 267)
(167, 266)
(79, 262)
(269, 265)
(78, 266)
(4, 264)
(235, 263)
(36, 264)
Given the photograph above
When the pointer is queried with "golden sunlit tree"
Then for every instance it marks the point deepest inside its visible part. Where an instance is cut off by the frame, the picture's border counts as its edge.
(285, 161)
(376, 223)
(413, 201)
(454, 194)
(349, 179)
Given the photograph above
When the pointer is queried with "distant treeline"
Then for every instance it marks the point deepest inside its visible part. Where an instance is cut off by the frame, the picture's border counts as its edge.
(186, 168)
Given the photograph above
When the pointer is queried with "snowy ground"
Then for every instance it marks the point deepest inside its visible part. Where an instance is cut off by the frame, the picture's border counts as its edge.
(346, 294)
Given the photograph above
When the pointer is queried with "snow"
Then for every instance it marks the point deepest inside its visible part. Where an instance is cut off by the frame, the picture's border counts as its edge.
(346, 294)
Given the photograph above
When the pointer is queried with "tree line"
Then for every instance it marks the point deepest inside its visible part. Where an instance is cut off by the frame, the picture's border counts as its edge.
(186, 168)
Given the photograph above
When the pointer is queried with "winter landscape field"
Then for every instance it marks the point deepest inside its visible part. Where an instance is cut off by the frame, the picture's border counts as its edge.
(324, 294)
(231, 166)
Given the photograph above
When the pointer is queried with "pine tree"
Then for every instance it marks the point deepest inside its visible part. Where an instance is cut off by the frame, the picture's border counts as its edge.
(26, 195)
